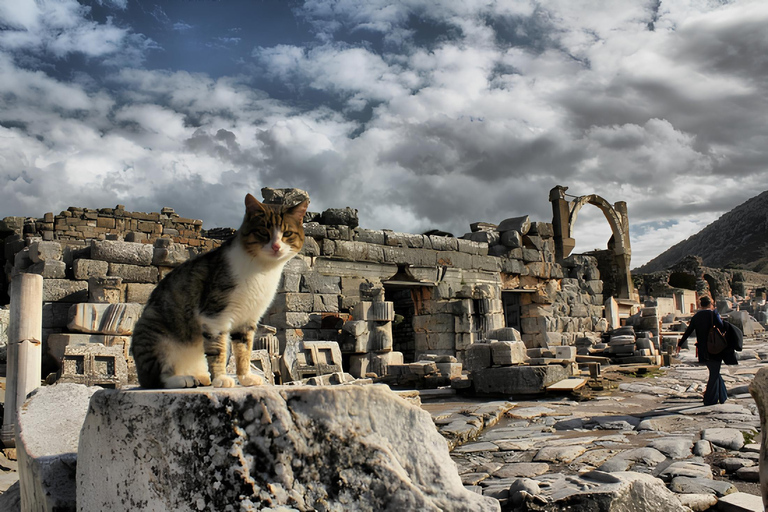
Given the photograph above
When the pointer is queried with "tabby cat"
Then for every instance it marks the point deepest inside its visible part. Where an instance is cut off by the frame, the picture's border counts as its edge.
(181, 338)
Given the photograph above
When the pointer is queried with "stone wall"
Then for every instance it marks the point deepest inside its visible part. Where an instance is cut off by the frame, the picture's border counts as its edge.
(74, 227)
(459, 289)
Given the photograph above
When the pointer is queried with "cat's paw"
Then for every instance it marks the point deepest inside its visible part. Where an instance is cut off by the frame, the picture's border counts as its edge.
(205, 379)
(223, 381)
(181, 381)
(250, 379)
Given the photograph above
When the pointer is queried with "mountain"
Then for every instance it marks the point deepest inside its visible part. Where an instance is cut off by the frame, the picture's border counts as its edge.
(738, 239)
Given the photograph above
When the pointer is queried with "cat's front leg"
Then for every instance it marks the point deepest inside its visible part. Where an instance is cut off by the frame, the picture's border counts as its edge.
(215, 346)
(242, 345)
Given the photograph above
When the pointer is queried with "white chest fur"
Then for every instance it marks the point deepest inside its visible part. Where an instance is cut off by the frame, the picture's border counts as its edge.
(256, 282)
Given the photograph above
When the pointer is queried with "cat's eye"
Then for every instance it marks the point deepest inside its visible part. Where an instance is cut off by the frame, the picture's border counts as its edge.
(288, 233)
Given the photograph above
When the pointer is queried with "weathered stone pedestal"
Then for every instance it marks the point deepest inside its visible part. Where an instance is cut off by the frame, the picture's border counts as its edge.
(759, 391)
(342, 448)
(518, 380)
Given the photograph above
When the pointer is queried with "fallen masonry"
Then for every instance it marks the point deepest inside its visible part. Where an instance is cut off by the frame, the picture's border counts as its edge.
(523, 353)
(304, 448)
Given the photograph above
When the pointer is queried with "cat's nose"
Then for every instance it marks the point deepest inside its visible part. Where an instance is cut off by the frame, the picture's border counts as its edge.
(276, 247)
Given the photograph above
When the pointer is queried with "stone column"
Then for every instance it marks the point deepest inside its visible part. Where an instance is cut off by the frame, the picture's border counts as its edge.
(758, 388)
(24, 348)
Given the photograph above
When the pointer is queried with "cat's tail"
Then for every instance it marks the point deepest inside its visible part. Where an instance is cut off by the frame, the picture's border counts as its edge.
(144, 345)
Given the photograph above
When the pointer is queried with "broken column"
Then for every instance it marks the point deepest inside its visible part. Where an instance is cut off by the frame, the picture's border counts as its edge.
(368, 338)
(24, 348)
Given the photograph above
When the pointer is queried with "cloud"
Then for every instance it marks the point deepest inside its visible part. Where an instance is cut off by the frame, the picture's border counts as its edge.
(59, 28)
(421, 115)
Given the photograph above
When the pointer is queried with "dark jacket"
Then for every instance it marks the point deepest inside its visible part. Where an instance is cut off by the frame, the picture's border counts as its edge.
(734, 336)
(701, 322)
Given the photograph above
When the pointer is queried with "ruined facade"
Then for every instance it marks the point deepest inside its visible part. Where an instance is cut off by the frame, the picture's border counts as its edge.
(384, 296)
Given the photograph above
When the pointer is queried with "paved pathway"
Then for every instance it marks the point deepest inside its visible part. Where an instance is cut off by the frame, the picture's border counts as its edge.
(656, 425)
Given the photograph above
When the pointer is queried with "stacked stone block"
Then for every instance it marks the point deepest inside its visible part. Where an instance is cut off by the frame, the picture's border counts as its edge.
(367, 338)
(341, 263)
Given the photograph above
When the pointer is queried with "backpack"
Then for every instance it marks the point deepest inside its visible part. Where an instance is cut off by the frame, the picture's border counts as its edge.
(716, 341)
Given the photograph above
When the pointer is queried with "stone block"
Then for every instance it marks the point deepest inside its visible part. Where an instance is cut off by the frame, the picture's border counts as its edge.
(371, 439)
(407, 256)
(360, 364)
(94, 365)
(423, 368)
(477, 356)
(55, 314)
(64, 290)
(520, 224)
(370, 236)
(449, 370)
(538, 269)
(508, 352)
(85, 269)
(45, 251)
(265, 339)
(310, 358)
(114, 251)
(381, 336)
(290, 282)
(568, 353)
(454, 259)
(505, 334)
(298, 302)
(115, 319)
(531, 255)
(138, 292)
(443, 243)
(362, 310)
(133, 273)
(314, 282)
(486, 263)
(536, 310)
(355, 251)
(355, 327)
(434, 341)
(106, 289)
(489, 306)
(470, 247)
(49, 269)
(57, 343)
(533, 325)
(47, 443)
(437, 323)
(463, 340)
(511, 239)
(382, 311)
(380, 363)
(543, 229)
(170, 255)
(325, 303)
(518, 380)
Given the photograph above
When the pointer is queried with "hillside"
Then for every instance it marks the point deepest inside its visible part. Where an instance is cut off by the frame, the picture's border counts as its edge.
(738, 239)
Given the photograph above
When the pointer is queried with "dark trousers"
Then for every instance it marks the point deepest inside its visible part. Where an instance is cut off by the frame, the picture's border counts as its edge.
(716, 392)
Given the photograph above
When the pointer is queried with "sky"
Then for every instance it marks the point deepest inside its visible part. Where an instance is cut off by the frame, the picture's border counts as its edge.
(421, 114)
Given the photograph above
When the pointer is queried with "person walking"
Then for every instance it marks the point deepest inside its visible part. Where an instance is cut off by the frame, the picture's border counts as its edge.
(702, 322)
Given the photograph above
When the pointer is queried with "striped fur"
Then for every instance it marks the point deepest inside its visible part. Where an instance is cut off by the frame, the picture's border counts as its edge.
(182, 337)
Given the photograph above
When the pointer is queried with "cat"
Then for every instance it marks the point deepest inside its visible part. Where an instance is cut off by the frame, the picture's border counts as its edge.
(181, 338)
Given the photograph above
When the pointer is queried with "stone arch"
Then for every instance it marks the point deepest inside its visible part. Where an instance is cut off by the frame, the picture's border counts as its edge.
(564, 217)
(617, 227)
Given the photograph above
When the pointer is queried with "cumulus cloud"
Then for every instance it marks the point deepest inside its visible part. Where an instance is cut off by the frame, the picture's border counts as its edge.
(420, 114)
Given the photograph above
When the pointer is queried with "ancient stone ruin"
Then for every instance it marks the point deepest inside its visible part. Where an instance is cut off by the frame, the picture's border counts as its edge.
(503, 311)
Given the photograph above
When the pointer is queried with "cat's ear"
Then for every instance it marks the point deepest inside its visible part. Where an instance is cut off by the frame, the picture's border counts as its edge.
(298, 211)
(252, 205)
